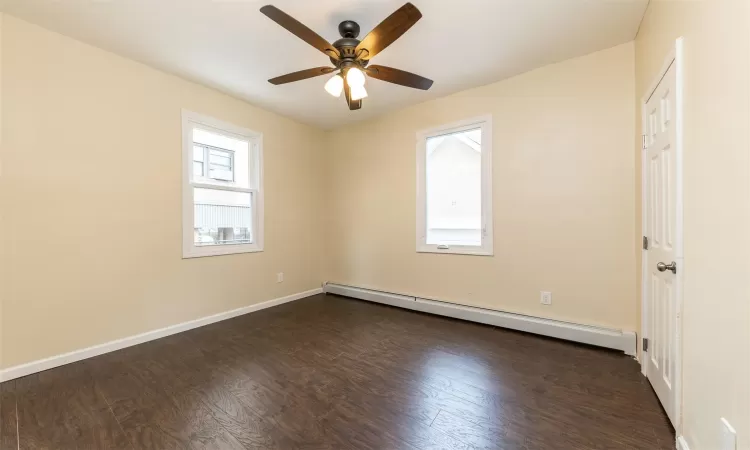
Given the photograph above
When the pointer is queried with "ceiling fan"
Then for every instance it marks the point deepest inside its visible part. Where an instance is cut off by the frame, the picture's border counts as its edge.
(351, 56)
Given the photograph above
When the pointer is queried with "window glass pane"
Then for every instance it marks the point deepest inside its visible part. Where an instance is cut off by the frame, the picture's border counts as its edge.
(454, 188)
(232, 165)
(213, 139)
(220, 165)
(197, 153)
(223, 162)
(222, 217)
(197, 169)
(220, 174)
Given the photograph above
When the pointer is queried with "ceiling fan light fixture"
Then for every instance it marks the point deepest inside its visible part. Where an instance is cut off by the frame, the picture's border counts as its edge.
(355, 77)
(358, 92)
(335, 85)
(350, 56)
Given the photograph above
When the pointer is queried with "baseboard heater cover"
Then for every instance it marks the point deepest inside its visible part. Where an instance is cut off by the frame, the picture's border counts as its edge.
(586, 334)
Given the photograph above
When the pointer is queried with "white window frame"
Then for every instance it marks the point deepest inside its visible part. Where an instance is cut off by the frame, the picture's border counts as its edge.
(486, 249)
(255, 160)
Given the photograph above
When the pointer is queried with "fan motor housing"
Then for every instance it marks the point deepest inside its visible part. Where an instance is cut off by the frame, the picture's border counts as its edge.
(349, 30)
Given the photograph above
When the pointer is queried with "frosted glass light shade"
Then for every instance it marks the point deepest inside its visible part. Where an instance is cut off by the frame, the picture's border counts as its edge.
(335, 85)
(355, 77)
(358, 92)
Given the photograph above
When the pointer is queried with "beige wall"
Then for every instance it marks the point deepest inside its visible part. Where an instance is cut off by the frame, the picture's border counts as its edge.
(716, 326)
(563, 196)
(91, 179)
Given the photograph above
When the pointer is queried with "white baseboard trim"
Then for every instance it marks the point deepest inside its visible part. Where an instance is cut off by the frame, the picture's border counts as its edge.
(682, 443)
(602, 337)
(96, 350)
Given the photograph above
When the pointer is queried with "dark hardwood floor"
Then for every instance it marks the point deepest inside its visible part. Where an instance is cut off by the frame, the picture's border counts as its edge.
(334, 373)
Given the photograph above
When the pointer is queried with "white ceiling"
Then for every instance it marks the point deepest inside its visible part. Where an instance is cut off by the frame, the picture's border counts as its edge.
(231, 46)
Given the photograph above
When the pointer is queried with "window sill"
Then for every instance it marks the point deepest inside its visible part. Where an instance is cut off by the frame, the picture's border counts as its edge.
(458, 250)
(219, 250)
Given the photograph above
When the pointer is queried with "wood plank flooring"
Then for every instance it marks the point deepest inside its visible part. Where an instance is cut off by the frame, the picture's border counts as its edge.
(333, 373)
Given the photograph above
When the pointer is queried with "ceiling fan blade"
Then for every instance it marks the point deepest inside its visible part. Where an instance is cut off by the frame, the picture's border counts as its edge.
(388, 31)
(301, 75)
(397, 76)
(353, 104)
(300, 30)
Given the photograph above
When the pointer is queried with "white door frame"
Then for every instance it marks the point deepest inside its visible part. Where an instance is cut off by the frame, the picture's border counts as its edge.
(675, 57)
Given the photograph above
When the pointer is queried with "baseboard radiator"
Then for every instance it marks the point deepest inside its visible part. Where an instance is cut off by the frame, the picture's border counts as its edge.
(586, 334)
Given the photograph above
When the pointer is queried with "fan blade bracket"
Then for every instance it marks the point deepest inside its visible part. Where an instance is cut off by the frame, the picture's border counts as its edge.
(361, 53)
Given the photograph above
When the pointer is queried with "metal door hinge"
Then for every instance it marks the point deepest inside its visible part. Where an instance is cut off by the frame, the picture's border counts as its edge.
(645, 344)
(643, 141)
(645, 243)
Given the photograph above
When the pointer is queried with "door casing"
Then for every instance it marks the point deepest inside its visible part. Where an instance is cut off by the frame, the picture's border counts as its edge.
(675, 57)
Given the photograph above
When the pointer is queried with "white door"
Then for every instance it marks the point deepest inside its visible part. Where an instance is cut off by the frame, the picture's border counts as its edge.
(661, 261)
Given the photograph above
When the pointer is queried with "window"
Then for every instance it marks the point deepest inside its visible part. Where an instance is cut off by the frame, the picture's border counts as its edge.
(454, 188)
(222, 188)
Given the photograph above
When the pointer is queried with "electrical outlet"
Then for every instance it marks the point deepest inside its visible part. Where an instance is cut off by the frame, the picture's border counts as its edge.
(546, 298)
(728, 436)
(280, 277)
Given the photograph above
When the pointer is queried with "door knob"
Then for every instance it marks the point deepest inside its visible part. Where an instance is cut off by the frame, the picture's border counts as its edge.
(661, 267)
